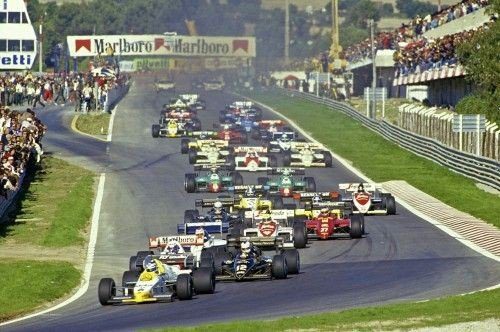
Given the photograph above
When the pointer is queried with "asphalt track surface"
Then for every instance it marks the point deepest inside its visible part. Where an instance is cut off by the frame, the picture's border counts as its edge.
(402, 257)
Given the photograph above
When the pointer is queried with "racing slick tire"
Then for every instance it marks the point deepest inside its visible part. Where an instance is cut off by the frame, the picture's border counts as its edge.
(301, 220)
(207, 259)
(184, 287)
(299, 236)
(192, 156)
(231, 163)
(262, 181)
(356, 230)
(129, 276)
(328, 158)
(105, 290)
(287, 158)
(278, 267)
(132, 263)
(310, 184)
(237, 178)
(184, 146)
(155, 130)
(204, 280)
(190, 182)
(190, 215)
(292, 258)
(390, 204)
(277, 202)
(244, 138)
(140, 259)
(273, 161)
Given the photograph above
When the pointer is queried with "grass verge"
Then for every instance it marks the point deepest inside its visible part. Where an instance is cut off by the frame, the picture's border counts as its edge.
(28, 284)
(54, 209)
(380, 159)
(456, 309)
(391, 107)
(93, 123)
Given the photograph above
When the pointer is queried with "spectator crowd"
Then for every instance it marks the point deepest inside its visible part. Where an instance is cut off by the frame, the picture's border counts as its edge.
(412, 32)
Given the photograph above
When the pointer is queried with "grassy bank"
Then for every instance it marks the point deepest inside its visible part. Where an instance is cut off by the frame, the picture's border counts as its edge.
(93, 123)
(28, 284)
(55, 209)
(456, 309)
(382, 160)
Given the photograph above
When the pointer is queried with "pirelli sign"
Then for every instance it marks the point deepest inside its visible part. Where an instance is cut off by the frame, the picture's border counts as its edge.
(198, 46)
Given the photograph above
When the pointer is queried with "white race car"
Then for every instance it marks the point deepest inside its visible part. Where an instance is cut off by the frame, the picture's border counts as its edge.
(250, 158)
(368, 198)
(307, 155)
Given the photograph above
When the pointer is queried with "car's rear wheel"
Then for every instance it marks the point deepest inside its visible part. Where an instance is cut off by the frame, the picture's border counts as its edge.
(184, 145)
(299, 236)
(190, 183)
(132, 263)
(292, 258)
(141, 255)
(262, 181)
(310, 184)
(204, 280)
(192, 156)
(155, 130)
(273, 161)
(219, 260)
(129, 277)
(390, 205)
(105, 290)
(237, 179)
(328, 158)
(277, 202)
(356, 230)
(184, 287)
(278, 267)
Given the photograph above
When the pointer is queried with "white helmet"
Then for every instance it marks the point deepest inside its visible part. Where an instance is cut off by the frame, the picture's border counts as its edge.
(249, 192)
(245, 247)
(317, 199)
(218, 206)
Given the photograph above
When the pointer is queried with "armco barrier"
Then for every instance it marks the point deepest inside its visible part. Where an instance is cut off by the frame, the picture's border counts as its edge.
(480, 169)
(115, 95)
(11, 195)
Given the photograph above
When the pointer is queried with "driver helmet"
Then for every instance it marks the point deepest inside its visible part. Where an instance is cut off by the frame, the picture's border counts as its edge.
(150, 264)
(249, 192)
(361, 188)
(317, 199)
(251, 154)
(325, 211)
(218, 207)
(266, 216)
(246, 247)
(173, 248)
(226, 127)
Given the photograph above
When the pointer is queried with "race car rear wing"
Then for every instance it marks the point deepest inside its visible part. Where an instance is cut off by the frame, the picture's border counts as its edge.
(309, 196)
(245, 149)
(268, 123)
(183, 240)
(279, 134)
(284, 170)
(353, 187)
(299, 146)
(242, 104)
(241, 189)
(203, 134)
(209, 202)
(212, 167)
(190, 97)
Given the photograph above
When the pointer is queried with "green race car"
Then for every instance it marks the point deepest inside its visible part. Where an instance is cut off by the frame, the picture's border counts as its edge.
(287, 184)
(213, 180)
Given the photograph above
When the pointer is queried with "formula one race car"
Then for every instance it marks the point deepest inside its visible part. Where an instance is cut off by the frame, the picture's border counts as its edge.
(249, 158)
(158, 282)
(213, 180)
(165, 85)
(250, 197)
(212, 156)
(239, 109)
(179, 113)
(266, 128)
(368, 198)
(204, 143)
(286, 185)
(248, 263)
(174, 128)
(272, 229)
(307, 155)
(213, 85)
(232, 133)
(281, 141)
(193, 101)
(218, 220)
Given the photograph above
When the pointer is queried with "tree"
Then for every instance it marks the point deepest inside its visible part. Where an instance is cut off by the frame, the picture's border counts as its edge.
(358, 14)
(412, 8)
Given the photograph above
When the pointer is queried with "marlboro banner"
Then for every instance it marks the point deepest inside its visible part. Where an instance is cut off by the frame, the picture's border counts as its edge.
(200, 46)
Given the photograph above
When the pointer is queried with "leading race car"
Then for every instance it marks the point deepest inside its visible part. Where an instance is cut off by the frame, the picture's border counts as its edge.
(213, 180)
(193, 101)
(250, 158)
(307, 155)
(287, 184)
(282, 141)
(158, 282)
(368, 198)
(174, 128)
(249, 263)
(164, 85)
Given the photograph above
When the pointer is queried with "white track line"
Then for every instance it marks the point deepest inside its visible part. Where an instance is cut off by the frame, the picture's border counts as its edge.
(88, 263)
(358, 173)
(110, 125)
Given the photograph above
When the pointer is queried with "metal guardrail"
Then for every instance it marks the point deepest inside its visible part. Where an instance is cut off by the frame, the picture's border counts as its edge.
(480, 169)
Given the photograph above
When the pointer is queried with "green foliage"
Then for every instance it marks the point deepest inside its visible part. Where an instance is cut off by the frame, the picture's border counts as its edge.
(28, 284)
(412, 8)
(358, 14)
(350, 35)
(386, 9)
(481, 103)
(407, 316)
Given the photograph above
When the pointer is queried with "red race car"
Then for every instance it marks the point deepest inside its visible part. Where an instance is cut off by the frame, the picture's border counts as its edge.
(232, 135)
(333, 222)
